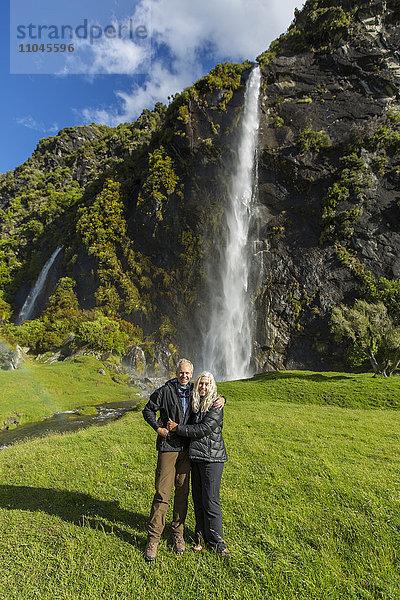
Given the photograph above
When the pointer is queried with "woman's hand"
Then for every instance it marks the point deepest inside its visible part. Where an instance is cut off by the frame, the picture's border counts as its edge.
(171, 425)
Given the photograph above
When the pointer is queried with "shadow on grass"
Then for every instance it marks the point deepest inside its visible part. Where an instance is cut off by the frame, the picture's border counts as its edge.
(77, 508)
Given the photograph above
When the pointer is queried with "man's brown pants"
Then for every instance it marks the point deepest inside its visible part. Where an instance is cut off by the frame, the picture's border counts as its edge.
(173, 468)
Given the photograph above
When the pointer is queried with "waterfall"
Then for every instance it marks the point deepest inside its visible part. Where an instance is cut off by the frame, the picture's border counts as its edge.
(29, 304)
(228, 340)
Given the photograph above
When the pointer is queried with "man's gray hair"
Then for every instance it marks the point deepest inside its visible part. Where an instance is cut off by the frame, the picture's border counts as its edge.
(183, 361)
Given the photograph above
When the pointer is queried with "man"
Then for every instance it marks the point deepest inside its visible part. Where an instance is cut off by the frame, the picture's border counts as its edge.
(172, 401)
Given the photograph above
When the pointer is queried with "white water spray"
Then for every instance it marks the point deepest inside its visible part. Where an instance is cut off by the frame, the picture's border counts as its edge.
(228, 342)
(29, 304)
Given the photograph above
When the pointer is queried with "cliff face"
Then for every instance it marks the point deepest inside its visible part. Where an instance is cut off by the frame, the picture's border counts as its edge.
(133, 207)
(329, 174)
(139, 209)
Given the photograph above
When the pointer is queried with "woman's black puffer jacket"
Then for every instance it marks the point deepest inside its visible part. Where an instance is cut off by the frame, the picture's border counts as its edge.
(206, 441)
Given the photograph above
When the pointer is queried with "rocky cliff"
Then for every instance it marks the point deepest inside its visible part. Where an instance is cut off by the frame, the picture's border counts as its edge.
(139, 209)
(328, 174)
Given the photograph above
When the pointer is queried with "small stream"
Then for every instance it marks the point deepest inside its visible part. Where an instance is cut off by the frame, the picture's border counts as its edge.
(67, 421)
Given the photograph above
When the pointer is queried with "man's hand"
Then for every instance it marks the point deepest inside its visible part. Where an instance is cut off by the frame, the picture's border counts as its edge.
(219, 402)
(171, 425)
(162, 431)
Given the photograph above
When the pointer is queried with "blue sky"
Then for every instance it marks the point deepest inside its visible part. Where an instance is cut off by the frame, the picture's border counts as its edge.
(141, 52)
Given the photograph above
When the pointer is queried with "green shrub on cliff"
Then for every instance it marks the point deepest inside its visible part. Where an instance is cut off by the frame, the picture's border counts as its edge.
(310, 140)
(102, 224)
(352, 180)
(60, 318)
(373, 324)
(372, 333)
(225, 77)
(5, 308)
(315, 27)
(102, 227)
(351, 261)
(93, 331)
(34, 335)
(381, 290)
(386, 291)
(101, 335)
(160, 183)
(63, 303)
(386, 136)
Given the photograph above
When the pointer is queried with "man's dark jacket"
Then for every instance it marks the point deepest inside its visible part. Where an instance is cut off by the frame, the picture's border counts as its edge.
(166, 400)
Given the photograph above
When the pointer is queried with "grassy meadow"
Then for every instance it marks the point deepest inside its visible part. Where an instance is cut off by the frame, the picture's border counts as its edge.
(38, 390)
(310, 499)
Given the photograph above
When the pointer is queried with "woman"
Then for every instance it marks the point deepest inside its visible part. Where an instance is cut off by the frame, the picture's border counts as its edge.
(207, 455)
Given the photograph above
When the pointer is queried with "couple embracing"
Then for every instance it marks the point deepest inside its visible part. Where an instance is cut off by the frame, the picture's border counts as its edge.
(189, 439)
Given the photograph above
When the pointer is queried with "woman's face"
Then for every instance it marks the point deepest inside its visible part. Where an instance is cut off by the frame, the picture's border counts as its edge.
(204, 386)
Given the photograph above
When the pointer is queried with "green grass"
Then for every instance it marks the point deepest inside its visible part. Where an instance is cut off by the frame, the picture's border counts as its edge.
(39, 390)
(310, 499)
(307, 387)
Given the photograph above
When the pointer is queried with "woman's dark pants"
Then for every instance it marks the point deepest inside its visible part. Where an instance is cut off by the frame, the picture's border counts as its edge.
(206, 483)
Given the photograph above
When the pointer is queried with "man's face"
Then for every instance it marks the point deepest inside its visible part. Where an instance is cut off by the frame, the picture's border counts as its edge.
(184, 374)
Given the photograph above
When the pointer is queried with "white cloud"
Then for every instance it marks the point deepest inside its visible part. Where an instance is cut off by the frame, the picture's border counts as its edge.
(237, 29)
(119, 51)
(186, 35)
(107, 57)
(31, 123)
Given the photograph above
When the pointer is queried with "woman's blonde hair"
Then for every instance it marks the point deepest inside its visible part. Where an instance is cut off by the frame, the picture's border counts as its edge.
(202, 404)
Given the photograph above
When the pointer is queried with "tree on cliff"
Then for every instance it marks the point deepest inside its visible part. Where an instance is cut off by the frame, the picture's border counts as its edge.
(372, 333)
(5, 308)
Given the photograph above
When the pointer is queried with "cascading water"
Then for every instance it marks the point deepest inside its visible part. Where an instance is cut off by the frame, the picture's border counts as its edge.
(29, 304)
(228, 340)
